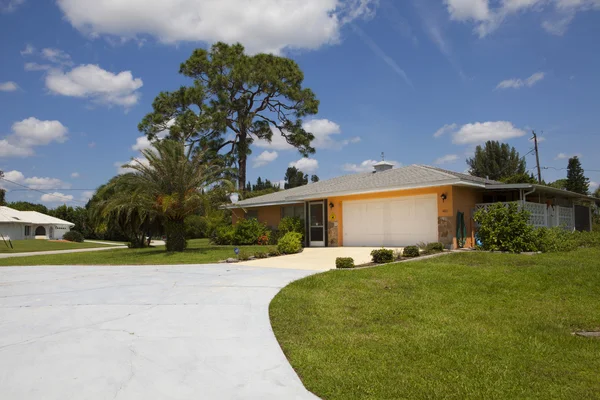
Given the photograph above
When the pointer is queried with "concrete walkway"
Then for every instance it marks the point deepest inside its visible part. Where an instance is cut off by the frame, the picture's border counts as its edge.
(151, 332)
(50, 252)
(315, 258)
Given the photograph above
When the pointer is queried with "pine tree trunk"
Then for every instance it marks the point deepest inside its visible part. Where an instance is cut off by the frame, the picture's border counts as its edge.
(175, 230)
(242, 173)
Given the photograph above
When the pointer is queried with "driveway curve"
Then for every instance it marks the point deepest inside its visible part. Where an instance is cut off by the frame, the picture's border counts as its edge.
(145, 332)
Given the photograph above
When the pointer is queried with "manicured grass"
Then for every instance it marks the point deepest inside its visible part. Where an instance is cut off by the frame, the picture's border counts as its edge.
(462, 326)
(24, 246)
(199, 251)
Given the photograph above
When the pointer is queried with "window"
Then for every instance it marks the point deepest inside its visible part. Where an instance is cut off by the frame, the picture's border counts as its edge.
(252, 214)
(27, 230)
(293, 211)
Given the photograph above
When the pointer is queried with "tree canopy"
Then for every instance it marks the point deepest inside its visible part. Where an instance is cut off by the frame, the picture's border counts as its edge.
(497, 161)
(576, 179)
(234, 100)
(294, 178)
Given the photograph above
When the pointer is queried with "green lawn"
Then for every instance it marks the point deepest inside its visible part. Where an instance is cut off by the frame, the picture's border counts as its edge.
(463, 326)
(24, 246)
(199, 251)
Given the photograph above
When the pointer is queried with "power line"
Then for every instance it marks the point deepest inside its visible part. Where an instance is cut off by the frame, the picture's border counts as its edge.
(561, 169)
(41, 191)
(64, 190)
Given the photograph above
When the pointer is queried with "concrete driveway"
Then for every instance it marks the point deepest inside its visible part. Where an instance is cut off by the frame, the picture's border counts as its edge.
(316, 258)
(151, 332)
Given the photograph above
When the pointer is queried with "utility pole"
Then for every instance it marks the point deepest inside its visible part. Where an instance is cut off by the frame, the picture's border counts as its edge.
(537, 157)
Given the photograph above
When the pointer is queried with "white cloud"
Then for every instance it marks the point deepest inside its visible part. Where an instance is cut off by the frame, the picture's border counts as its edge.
(519, 83)
(449, 158)
(39, 183)
(74, 174)
(91, 81)
(32, 66)
(265, 158)
(88, 194)
(594, 186)
(445, 129)
(322, 129)
(488, 15)
(480, 132)
(8, 86)
(29, 133)
(142, 142)
(120, 165)
(564, 156)
(365, 166)
(56, 197)
(264, 26)
(28, 50)
(56, 56)
(7, 6)
(15, 176)
(306, 165)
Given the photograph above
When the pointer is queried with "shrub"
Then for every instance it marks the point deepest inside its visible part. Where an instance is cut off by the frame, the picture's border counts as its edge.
(223, 235)
(274, 236)
(344, 262)
(260, 254)
(273, 252)
(247, 232)
(290, 243)
(411, 251)
(431, 248)
(291, 224)
(195, 227)
(382, 256)
(264, 239)
(505, 228)
(557, 239)
(73, 236)
(243, 255)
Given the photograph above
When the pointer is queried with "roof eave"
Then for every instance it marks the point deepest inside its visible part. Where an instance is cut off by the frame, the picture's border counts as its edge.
(541, 188)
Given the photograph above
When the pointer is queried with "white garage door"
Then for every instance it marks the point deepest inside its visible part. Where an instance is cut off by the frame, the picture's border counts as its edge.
(390, 222)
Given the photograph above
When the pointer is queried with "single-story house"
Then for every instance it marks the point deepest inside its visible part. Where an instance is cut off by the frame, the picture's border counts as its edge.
(404, 206)
(20, 225)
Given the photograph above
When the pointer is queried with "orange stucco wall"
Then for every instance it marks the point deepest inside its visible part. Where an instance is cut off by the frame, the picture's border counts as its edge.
(336, 214)
(270, 215)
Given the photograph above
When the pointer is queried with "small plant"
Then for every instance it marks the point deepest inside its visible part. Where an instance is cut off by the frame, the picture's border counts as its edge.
(264, 239)
(260, 254)
(382, 256)
(243, 255)
(432, 248)
(290, 243)
(73, 236)
(411, 251)
(273, 252)
(344, 262)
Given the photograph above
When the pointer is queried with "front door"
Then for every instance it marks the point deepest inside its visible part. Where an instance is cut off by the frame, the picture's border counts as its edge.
(316, 218)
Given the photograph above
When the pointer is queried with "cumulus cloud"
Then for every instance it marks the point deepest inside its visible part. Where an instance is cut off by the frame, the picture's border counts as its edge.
(121, 166)
(56, 197)
(142, 142)
(86, 195)
(265, 158)
(487, 15)
(29, 133)
(28, 50)
(91, 81)
(9, 86)
(324, 131)
(34, 182)
(265, 26)
(445, 129)
(480, 132)
(564, 156)
(447, 159)
(56, 56)
(306, 165)
(32, 66)
(519, 83)
(365, 166)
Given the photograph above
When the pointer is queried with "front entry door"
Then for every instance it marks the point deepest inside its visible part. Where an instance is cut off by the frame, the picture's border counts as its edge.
(316, 218)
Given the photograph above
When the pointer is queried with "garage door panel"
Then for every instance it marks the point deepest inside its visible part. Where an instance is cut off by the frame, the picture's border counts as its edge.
(390, 222)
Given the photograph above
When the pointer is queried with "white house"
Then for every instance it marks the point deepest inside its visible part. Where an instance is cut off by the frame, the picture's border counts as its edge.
(20, 225)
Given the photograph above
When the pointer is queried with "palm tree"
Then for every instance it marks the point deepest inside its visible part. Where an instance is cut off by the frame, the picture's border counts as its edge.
(167, 186)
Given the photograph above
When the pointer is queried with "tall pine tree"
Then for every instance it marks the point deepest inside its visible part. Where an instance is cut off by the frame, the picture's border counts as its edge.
(576, 180)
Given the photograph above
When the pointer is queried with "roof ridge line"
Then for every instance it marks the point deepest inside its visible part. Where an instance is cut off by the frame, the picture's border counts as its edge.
(440, 170)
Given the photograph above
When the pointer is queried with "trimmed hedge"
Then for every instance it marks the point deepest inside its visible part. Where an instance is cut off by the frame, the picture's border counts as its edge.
(411, 251)
(344, 262)
(382, 256)
(73, 236)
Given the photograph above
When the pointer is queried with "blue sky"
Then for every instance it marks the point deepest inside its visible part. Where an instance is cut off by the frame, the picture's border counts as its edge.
(424, 81)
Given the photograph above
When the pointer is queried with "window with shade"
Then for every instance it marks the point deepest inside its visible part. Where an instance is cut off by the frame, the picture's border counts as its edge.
(293, 211)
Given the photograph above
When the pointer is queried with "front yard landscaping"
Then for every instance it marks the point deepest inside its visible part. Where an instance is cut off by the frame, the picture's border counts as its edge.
(25, 246)
(199, 251)
(470, 325)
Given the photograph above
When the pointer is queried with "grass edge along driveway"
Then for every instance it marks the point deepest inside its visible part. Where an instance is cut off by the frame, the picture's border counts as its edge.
(35, 245)
(464, 326)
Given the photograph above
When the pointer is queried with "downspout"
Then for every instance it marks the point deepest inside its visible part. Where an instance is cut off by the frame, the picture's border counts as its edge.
(526, 194)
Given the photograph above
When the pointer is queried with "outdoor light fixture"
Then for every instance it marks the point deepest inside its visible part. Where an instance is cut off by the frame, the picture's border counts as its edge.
(234, 197)
(444, 197)
(330, 204)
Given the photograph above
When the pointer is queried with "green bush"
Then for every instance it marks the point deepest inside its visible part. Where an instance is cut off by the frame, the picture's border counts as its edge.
(73, 236)
(411, 251)
(344, 262)
(195, 227)
(557, 239)
(382, 256)
(243, 255)
(248, 231)
(290, 243)
(291, 224)
(273, 252)
(223, 235)
(260, 254)
(505, 228)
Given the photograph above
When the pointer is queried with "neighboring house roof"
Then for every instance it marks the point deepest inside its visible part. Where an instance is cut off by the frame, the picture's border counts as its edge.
(409, 177)
(8, 214)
